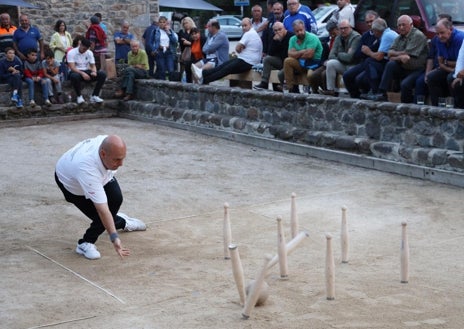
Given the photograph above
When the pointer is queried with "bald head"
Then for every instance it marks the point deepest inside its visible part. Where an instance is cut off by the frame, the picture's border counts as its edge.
(112, 152)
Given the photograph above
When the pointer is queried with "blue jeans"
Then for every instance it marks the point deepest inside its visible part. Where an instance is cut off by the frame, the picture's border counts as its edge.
(44, 82)
(374, 71)
(355, 79)
(164, 64)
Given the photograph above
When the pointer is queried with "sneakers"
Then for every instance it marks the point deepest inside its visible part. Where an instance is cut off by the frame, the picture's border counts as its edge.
(261, 86)
(88, 250)
(19, 104)
(80, 99)
(380, 97)
(47, 102)
(96, 99)
(197, 74)
(132, 224)
(15, 98)
(32, 103)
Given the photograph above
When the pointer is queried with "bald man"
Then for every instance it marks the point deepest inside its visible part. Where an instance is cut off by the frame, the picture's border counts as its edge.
(85, 175)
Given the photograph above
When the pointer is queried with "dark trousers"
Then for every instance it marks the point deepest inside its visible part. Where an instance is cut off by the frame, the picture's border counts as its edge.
(114, 195)
(151, 65)
(458, 92)
(15, 82)
(128, 79)
(164, 64)
(438, 85)
(374, 71)
(355, 79)
(233, 66)
(394, 70)
(421, 87)
(76, 81)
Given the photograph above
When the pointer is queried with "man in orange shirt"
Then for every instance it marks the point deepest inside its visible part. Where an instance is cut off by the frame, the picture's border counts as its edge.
(6, 32)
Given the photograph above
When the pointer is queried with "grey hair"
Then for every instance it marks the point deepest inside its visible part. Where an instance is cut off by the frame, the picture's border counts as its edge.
(379, 25)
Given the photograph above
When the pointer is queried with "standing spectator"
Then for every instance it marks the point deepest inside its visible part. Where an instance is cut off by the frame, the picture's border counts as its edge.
(277, 15)
(83, 69)
(257, 19)
(164, 48)
(137, 60)
(457, 85)
(11, 71)
(450, 41)
(277, 53)
(102, 25)
(341, 57)
(355, 77)
(98, 40)
(407, 57)
(298, 11)
(33, 74)
(27, 37)
(147, 36)
(51, 70)
(61, 40)
(249, 49)
(6, 32)
(345, 11)
(216, 47)
(122, 43)
(185, 41)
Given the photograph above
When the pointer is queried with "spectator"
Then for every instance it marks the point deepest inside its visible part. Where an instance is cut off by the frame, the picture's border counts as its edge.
(345, 11)
(197, 42)
(122, 43)
(257, 19)
(407, 57)
(304, 53)
(33, 74)
(6, 32)
(450, 41)
(249, 49)
(277, 53)
(298, 11)
(85, 175)
(27, 37)
(355, 77)
(147, 37)
(185, 41)
(164, 48)
(277, 15)
(98, 41)
(83, 69)
(61, 40)
(51, 70)
(137, 60)
(216, 47)
(100, 22)
(376, 62)
(341, 57)
(457, 86)
(11, 70)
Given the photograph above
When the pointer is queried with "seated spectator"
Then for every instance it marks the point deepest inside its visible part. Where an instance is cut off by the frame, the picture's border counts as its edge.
(61, 41)
(341, 57)
(82, 69)
(11, 70)
(122, 43)
(33, 74)
(407, 57)
(304, 53)
(137, 60)
(249, 49)
(164, 48)
(457, 84)
(197, 41)
(276, 14)
(6, 32)
(276, 54)
(51, 70)
(216, 47)
(98, 41)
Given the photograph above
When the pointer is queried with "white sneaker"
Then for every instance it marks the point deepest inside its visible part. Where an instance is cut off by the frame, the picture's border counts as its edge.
(197, 73)
(95, 99)
(80, 99)
(88, 250)
(32, 103)
(47, 102)
(132, 224)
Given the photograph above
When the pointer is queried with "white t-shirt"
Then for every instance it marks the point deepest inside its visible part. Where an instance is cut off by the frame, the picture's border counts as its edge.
(82, 172)
(83, 60)
(253, 51)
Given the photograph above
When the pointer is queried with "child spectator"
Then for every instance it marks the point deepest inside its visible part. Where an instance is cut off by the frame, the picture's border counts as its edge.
(51, 70)
(11, 70)
(33, 73)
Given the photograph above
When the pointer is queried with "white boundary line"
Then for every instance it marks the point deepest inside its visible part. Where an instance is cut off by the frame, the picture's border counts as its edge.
(62, 322)
(78, 275)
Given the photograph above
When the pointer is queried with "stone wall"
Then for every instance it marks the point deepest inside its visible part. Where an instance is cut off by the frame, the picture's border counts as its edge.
(406, 133)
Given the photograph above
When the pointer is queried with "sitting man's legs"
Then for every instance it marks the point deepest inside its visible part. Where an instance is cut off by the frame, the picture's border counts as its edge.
(291, 67)
(269, 63)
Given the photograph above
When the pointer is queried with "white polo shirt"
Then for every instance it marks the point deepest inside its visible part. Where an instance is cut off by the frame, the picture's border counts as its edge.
(253, 51)
(82, 172)
(81, 61)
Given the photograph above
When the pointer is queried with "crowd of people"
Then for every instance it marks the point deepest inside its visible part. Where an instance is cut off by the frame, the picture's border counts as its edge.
(382, 59)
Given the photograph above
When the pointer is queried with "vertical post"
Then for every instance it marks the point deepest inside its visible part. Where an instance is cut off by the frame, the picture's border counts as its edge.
(237, 270)
(281, 249)
(329, 269)
(344, 237)
(293, 217)
(404, 254)
(227, 231)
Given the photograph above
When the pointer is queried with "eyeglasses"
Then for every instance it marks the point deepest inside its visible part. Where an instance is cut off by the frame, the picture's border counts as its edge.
(292, 3)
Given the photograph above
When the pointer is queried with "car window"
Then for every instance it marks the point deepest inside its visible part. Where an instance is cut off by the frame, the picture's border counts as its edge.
(406, 7)
(432, 8)
(383, 8)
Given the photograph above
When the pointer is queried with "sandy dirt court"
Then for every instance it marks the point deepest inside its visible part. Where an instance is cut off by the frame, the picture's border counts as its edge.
(176, 277)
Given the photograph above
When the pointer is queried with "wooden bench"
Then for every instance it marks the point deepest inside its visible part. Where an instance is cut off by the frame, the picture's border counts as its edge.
(245, 80)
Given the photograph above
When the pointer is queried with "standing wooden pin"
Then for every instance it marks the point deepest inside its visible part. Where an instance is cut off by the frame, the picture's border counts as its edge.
(237, 270)
(404, 254)
(329, 269)
(344, 237)
(281, 249)
(255, 289)
(293, 217)
(227, 231)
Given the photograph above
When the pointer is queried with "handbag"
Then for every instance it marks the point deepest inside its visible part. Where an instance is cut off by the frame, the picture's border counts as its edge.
(186, 55)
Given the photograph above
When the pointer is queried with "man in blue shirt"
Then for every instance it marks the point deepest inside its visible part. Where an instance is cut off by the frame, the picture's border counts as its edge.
(122, 40)
(27, 37)
(298, 11)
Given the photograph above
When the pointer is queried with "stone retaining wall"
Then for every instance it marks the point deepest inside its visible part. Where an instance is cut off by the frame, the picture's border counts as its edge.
(407, 133)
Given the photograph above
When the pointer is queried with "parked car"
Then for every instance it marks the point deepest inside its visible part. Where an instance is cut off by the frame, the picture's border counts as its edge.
(231, 25)
(323, 15)
(423, 12)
